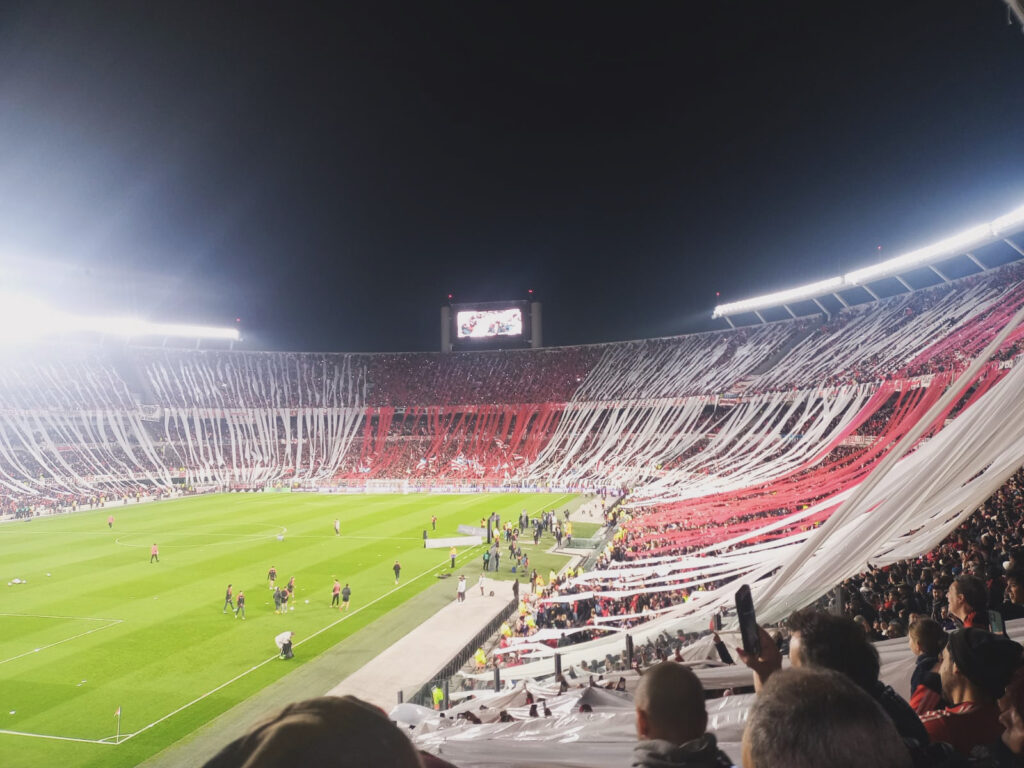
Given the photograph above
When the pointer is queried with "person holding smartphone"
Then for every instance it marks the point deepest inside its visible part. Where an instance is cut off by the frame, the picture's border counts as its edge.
(836, 643)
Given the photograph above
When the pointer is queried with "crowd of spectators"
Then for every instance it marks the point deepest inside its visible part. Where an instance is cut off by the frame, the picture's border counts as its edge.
(984, 555)
(435, 428)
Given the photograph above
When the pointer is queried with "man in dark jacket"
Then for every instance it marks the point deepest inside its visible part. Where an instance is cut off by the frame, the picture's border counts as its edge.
(671, 719)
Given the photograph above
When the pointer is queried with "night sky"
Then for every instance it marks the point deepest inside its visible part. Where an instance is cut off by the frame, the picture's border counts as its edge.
(329, 172)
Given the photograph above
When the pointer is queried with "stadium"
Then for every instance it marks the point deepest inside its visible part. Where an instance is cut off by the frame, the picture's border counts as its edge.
(781, 530)
(718, 456)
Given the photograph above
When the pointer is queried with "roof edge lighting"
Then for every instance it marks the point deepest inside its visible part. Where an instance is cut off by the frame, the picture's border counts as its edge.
(23, 319)
(780, 297)
(958, 244)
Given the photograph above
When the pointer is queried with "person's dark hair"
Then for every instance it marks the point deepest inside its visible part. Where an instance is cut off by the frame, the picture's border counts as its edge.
(1016, 575)
(929, 636)
(989, 661)
(327, 731)
(972, 589)
(837, 643)
(808, 718)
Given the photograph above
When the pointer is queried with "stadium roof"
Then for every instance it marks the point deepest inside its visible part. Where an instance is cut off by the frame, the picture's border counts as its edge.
(961, 245)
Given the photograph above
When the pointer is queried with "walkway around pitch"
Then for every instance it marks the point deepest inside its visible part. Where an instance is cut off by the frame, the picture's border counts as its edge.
(424, 652)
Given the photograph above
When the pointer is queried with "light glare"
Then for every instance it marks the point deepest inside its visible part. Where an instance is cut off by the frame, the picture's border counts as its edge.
(958, 244)
(24, 319)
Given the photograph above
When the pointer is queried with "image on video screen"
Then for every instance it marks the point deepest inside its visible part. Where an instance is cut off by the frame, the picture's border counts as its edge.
(485, 323)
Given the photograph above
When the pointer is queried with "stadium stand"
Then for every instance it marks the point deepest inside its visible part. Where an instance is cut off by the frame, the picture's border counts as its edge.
(733, 448)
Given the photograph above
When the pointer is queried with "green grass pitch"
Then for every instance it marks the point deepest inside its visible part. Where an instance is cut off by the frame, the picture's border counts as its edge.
(98, 627)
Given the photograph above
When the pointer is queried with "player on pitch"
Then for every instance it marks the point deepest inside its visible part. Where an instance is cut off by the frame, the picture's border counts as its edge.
(228, 603)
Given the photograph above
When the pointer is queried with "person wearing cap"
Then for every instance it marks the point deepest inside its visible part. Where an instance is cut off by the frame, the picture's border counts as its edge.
(975, 668)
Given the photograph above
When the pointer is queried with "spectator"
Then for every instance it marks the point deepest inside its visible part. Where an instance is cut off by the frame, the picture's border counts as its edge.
(836, 643)
(810, 718)
(968, 602)
(926, 640)
(975, 669)
(1013, 607)
(671, 720)
(1009, 750)
(328, 731)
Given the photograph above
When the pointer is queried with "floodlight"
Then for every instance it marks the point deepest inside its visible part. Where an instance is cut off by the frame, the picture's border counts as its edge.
(1007, 224)
(130, 327)
(25, 319)
(944, 249)
(779, 298)
(957, 245)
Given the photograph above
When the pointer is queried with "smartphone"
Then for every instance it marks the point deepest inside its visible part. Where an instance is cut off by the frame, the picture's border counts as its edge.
(716, 623)
(748, 621)
(996, 623)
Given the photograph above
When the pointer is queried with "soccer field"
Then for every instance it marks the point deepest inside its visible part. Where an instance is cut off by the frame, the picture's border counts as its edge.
(98, 628)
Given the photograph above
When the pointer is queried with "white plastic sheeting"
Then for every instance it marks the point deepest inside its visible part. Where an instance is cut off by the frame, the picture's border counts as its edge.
(605, 737)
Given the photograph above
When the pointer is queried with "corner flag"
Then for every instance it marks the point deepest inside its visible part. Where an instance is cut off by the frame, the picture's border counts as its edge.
(118, 713)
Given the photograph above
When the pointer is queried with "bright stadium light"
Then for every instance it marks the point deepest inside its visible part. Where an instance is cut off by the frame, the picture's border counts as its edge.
(24, 319)
(950, 247)
(944, 249)
(27, 319)
(1009, 223)
(781, 297)
(132, 328)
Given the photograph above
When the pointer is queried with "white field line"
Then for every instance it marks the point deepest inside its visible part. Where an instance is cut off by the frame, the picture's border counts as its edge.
(127, 736)
(56, 738)
(235, 537)
(47, 616)
(112, 622)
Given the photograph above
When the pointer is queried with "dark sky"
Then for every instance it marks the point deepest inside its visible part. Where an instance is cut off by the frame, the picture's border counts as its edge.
(329, 172)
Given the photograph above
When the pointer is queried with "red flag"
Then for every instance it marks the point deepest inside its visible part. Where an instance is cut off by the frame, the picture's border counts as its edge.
(118, 713)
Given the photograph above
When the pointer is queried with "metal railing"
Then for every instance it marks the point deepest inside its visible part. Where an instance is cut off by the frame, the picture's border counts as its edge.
(422, 696)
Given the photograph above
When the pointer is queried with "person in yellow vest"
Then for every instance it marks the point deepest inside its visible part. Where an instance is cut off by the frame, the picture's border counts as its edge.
(451, 554)
(481, 658)
(437, 696)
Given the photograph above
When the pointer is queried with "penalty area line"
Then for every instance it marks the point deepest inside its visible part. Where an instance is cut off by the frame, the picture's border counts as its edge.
(183, 707)
(113, 623)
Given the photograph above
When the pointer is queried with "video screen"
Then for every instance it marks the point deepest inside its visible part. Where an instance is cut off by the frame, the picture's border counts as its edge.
(489, 323)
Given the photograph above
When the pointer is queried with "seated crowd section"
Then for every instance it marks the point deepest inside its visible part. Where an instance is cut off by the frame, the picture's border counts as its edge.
(678, 418)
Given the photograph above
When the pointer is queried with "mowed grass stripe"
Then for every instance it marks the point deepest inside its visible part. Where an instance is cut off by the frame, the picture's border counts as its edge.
(174, 644)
